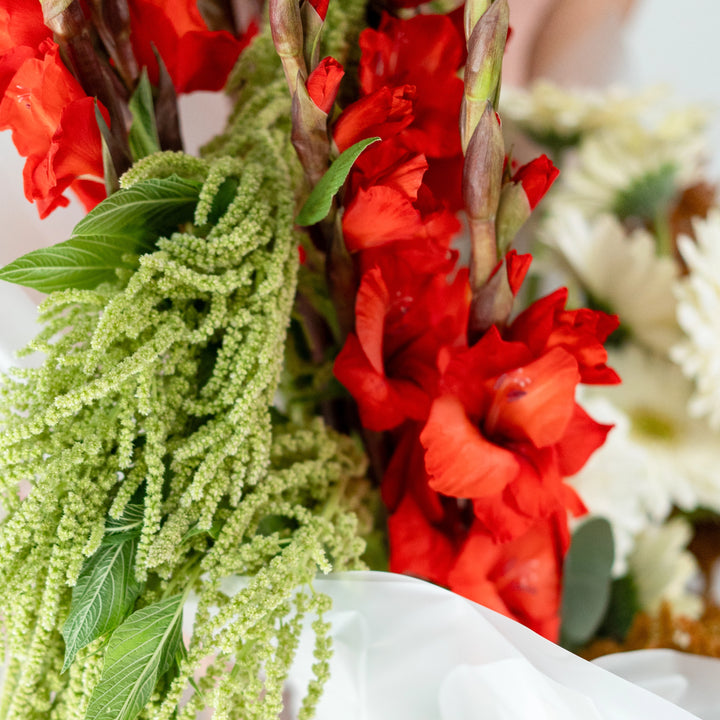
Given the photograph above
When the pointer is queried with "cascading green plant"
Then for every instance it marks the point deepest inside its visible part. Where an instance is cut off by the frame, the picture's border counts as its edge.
(151, 461)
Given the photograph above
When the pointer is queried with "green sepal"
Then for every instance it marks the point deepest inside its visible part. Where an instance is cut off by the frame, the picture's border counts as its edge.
(143, 137)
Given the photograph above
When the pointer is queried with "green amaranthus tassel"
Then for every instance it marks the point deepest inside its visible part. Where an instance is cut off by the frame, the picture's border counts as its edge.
(146, 436)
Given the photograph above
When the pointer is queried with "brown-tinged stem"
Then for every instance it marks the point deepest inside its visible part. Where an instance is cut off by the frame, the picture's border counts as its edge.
(73, 34)
(112, 22)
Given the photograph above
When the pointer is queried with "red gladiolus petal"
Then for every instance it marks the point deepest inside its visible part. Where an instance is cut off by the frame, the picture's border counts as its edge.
(382, 114)
(417, 547)
(582, 438)
(460, 461)
(520, 579)
(196, 58)
(21, 23)
(535, 401)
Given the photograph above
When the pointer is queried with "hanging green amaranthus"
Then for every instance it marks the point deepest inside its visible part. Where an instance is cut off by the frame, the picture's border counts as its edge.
(153, 464)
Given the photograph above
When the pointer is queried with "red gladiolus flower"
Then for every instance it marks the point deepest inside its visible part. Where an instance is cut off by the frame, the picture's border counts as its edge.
(424, 51)
(506, 429)
(536, 178)
(196, 58)
(520, 578)
(386, 201)
(53, 125)
(546, 325)
(402, 320)
(323, 83)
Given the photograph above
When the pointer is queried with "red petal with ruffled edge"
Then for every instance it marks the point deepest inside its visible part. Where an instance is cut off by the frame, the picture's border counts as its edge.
(382, 114)
(460, 461)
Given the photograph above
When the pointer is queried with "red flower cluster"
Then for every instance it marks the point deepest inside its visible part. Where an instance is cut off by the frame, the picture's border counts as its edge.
(51, 117)
(196, 58)
(484, 436)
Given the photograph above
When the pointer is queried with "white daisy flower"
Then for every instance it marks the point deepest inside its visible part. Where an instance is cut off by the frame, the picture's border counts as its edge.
(621, 271)
(663, 568)
(546, 110)
(656, 456)
(698, 314)
(632, 171)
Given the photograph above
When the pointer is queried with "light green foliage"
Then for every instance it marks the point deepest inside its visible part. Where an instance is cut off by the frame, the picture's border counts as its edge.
(154, 398)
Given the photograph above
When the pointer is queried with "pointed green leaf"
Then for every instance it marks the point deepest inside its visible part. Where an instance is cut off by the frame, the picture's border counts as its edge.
(104, 595)
(139, 652)
(587, 579)
(126, 223)
(317, 206)
(143, 137)
(112, 183)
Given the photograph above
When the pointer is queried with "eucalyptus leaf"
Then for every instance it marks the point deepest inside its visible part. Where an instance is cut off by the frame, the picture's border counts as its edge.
(102, 598)
(143, 137)
(317, 206)
(125, 224)
(139, 652)
(587, 580)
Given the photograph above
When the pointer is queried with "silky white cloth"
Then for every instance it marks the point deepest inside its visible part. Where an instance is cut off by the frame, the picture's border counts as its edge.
(407, 650)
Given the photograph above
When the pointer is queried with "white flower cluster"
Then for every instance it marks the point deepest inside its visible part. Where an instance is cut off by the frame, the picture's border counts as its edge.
(625, 163)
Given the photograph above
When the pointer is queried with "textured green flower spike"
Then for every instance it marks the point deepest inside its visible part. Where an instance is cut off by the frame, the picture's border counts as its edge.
(153, 403)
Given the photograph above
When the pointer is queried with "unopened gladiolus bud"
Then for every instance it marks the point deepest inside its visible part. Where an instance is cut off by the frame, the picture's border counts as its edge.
(513, 210)
(520, 196)
(482, 172)
(323, 83)
(473, 12)
(309, 134)
(486, 46)
(482, 180)
(493, 303)
(54, 8)
(320, 7)
(287, 34)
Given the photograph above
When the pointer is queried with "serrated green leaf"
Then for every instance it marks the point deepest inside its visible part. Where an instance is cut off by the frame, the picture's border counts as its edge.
(127, 526)
(317, 206)
(126, 223)
(102, 598)
(587, 579)
(139, 652)
(143, 136)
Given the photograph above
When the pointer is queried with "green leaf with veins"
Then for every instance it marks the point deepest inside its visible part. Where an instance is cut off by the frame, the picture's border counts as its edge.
(104, 595)
(139, 652)
(125, 224)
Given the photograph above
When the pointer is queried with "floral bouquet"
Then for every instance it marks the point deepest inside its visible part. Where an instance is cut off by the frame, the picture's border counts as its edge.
(316, 346)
